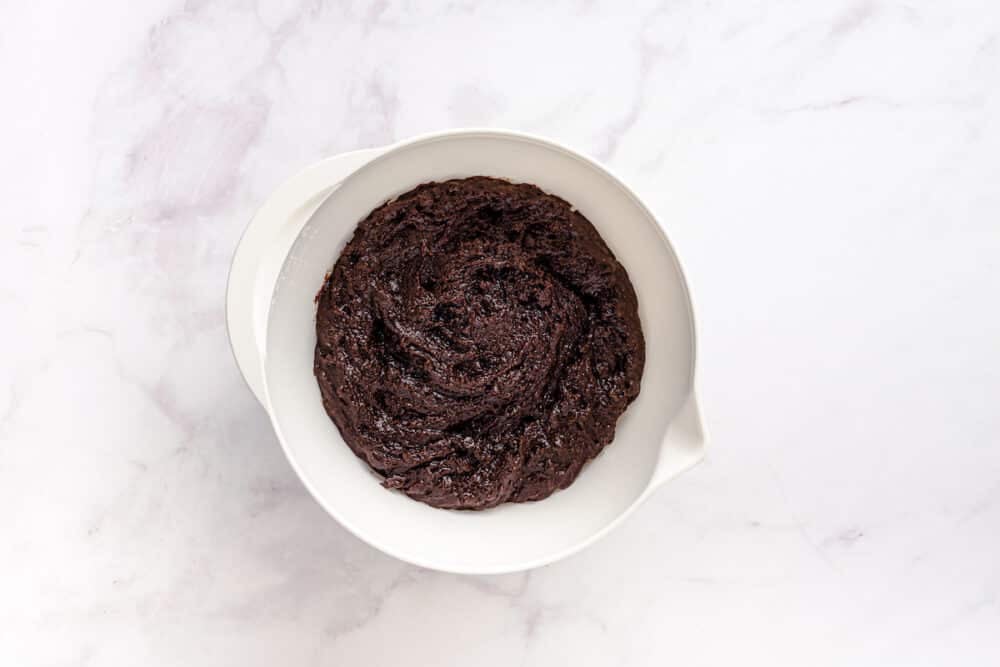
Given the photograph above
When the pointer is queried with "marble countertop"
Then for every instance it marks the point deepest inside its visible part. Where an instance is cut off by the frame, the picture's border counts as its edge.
(829, 172)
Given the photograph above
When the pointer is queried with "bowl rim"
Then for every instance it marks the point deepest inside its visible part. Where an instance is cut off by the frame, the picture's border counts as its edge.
(513, 566)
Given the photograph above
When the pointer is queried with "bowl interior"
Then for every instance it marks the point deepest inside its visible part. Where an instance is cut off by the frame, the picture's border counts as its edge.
(512, 536)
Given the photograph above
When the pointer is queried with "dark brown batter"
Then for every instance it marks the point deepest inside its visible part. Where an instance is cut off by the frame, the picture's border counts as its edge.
(477, 342)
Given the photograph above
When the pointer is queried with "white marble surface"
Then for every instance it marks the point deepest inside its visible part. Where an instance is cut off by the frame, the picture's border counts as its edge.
(829, 171)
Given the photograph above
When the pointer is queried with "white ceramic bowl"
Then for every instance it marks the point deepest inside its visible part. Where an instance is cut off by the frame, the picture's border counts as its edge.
(272, 314)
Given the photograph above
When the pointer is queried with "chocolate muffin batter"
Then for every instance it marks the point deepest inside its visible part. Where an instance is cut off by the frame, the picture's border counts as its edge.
(477, 342)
